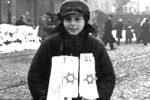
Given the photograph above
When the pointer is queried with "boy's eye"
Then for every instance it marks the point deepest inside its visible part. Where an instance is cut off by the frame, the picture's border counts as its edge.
(71, 19)
(68, 18)
(77, 19)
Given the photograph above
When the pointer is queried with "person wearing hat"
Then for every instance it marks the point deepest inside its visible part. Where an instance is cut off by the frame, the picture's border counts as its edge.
(108, 37)
(72, 64)
(46, 26)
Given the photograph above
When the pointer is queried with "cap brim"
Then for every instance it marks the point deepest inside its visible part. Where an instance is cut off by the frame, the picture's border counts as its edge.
(72, 12)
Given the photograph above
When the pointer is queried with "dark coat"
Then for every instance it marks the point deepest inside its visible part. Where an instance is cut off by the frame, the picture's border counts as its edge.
(20, 22)
(119, 27)
(65, 44)
(95, 25)
(108, 37)
(146, 31)
(137, 29)
(129, 34)
(45, 28)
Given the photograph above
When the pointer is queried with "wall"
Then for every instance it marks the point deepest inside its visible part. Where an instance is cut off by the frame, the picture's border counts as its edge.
(32, 9)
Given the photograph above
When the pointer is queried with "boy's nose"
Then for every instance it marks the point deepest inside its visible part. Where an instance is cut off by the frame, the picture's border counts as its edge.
(72, 22)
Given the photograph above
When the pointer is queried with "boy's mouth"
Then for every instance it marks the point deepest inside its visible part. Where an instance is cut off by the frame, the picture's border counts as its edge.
(72, 29)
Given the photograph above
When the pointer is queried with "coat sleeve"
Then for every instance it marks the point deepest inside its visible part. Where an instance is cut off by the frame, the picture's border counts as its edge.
(105, 74)
(38, 74)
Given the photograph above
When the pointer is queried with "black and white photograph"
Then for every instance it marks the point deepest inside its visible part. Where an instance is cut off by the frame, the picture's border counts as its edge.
(74, 49)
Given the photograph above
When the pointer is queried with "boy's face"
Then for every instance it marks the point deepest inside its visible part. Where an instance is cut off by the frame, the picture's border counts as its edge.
(74, 23)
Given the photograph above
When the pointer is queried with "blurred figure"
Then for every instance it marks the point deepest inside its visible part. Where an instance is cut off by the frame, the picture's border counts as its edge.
(137, 31)
(29, 22)
(21, 21)
(13, 20)
(96, 26)
(55, 19)
(119, 28)
(146, 31)
(143, 21)
(108, 37)
(100, 18)
(45, 26)
(129, 34)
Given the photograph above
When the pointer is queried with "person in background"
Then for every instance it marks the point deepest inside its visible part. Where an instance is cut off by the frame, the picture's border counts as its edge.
(108, 37)
(146, 31)
(45, 26)
(55, 19)
(119, 28)
(96, 26)
(21, 21)
(71, 39)
(29, 22)
(143, 21)
(137, 31)
(129, 34)
(13, 20)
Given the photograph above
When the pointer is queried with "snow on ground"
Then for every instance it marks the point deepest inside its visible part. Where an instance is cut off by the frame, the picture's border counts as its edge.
(10, 36)
(19, 47)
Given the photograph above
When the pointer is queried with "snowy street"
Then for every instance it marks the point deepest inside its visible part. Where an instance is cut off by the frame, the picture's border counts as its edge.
(131, 63)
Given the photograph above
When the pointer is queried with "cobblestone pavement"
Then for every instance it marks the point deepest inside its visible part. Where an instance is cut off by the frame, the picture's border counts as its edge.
(131, 64)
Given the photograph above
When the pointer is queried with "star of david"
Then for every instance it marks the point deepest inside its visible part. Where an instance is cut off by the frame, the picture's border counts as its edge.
(70, 78)
(87, 58)
(90, 79)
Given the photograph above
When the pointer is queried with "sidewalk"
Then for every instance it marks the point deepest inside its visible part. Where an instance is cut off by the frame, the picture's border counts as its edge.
(131, 63)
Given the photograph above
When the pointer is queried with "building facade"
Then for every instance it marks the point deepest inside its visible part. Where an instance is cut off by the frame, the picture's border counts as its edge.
(137, 6)
(10, 10)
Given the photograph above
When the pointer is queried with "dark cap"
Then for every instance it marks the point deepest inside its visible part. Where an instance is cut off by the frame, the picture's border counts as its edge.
(74, 7)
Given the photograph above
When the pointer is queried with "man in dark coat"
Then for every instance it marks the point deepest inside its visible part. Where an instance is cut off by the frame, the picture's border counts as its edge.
(138, 31)
(146, 31)
(71, 43)
(101, 18)
(96, 26)
(45, 26)
(119, 28)
(108, 37)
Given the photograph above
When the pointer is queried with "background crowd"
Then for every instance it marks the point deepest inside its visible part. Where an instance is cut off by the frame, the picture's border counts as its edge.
(137, 27)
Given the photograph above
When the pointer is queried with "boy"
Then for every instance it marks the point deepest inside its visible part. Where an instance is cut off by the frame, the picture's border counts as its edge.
(72, 41)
